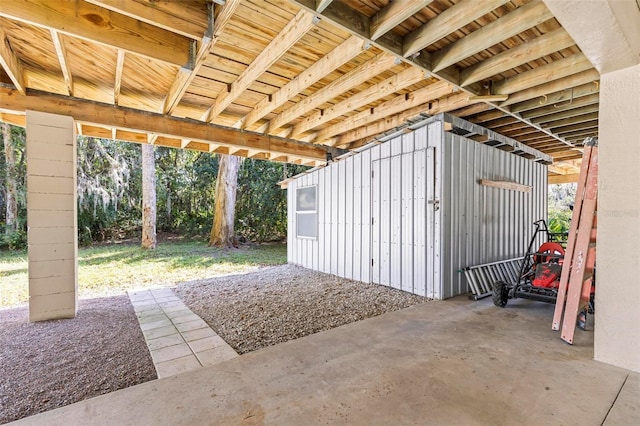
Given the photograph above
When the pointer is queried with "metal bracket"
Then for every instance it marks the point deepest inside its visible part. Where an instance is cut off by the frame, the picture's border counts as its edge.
(435, 203)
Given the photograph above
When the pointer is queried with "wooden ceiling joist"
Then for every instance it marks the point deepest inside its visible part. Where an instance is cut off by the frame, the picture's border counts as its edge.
(448, 21)
(566, 114)
(578, 79)
(344, 52)
(393, 106)
(513, 23)
(292, 32)
(80, 19)
(519, 55)
(185, 18)
(353, 78)
(185, 75)
(566, 96)
(394, 83)
(572, 120)
(393, 14)
(61, 51)
(117, 86)
(552, 109)
(11, 63)
(145, 122)
(553, 71)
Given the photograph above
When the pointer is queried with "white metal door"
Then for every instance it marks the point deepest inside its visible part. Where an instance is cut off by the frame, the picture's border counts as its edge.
(402, 221)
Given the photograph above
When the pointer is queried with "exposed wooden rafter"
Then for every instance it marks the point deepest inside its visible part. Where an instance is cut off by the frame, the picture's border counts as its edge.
(351, 79)
(61, 51)
(393, 14)
(281, 43)
(185, 75)
(11, 63)
(458, 15)
(118, 81)
(394, 83)
(513, 23)
(344, 52)
(90, 22)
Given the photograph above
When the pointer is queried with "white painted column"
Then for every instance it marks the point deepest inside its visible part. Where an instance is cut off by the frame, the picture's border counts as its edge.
(51, 216)
(617, 326)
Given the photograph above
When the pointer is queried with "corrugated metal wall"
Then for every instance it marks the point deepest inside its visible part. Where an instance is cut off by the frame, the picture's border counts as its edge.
(483, 224)
(410, 213)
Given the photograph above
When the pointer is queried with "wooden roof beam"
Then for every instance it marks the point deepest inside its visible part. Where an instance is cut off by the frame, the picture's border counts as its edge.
(392, 84)
(118, 81)
(593, 124)
(393, 14)
(322, 5)
(572, 178)
(393, 106)
(61, 52)
(11, 63)
(515, 22)
(567, 96)
(353, 78)
(578, 79)
(185, 75)
(551, 109)
(450, 20)
(555, 70)
(573, 120)
(281, 43)
(80, 19)
(566, 114)
(391, 122)
(140, 121)
(472, 110)
(537, 48)
(343, 53)
(188, 19)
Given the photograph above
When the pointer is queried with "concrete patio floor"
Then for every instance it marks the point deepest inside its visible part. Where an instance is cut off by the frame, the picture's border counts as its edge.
(455, 362)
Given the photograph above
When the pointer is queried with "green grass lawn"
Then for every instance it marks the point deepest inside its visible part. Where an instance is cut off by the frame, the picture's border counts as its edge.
(112, 269)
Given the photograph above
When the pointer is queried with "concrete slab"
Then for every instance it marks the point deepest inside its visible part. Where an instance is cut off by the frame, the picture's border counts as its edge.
(451, 362)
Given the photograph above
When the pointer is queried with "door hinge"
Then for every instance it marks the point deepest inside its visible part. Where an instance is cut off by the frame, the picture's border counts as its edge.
(371, 262)
(435, 203)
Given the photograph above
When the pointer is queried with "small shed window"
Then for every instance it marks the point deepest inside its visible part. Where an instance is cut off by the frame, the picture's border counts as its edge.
(307, 212)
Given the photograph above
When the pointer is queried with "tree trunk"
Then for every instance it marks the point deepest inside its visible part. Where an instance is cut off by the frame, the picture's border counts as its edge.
(222, 232)
(148, 197)
(12, 187)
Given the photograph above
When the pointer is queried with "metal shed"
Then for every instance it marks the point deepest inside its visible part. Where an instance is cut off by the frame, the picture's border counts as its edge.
(410, 212)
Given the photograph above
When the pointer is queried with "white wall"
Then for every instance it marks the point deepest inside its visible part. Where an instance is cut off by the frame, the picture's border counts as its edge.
(617, 327)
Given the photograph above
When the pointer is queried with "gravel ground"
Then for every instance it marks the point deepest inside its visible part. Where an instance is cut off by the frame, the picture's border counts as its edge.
(50, 364)
(281, 303)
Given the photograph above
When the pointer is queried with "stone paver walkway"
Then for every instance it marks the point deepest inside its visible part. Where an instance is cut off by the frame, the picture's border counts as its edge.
(178, 339)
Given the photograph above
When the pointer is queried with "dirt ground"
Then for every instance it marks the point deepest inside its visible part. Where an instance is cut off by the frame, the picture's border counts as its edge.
(49, 364)
(281, 303)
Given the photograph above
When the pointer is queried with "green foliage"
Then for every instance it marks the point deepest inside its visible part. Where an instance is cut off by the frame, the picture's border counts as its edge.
(111, 269)
(561, 197)
(110, 193)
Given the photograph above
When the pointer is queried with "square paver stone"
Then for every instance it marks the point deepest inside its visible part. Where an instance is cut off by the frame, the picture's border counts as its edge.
(174, 308)
(151, 317)
(165, 341)
(214, 356)
(186, 316)
(207, 343)
(176, 366)
(201, 333)
(191, 325)
(159, 332)
(170, 352)
(156, 324)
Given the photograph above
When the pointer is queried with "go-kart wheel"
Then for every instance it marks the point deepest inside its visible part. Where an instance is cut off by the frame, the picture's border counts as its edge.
(500, 294)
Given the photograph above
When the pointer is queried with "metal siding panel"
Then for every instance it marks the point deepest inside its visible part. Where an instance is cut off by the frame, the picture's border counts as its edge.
(420, 223)
(291, 222)
(348, 221)
(436, 135)
(385, 150)
(335, 229)
(376, 221)
(408, 228)
(357, 218)
(408, 142)
(322, 209)
(396, 146)
(395, 218)
(328, 185)
(385, 221)
(314, 243)
(341, 231)
(420, 138)
(366, 217)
